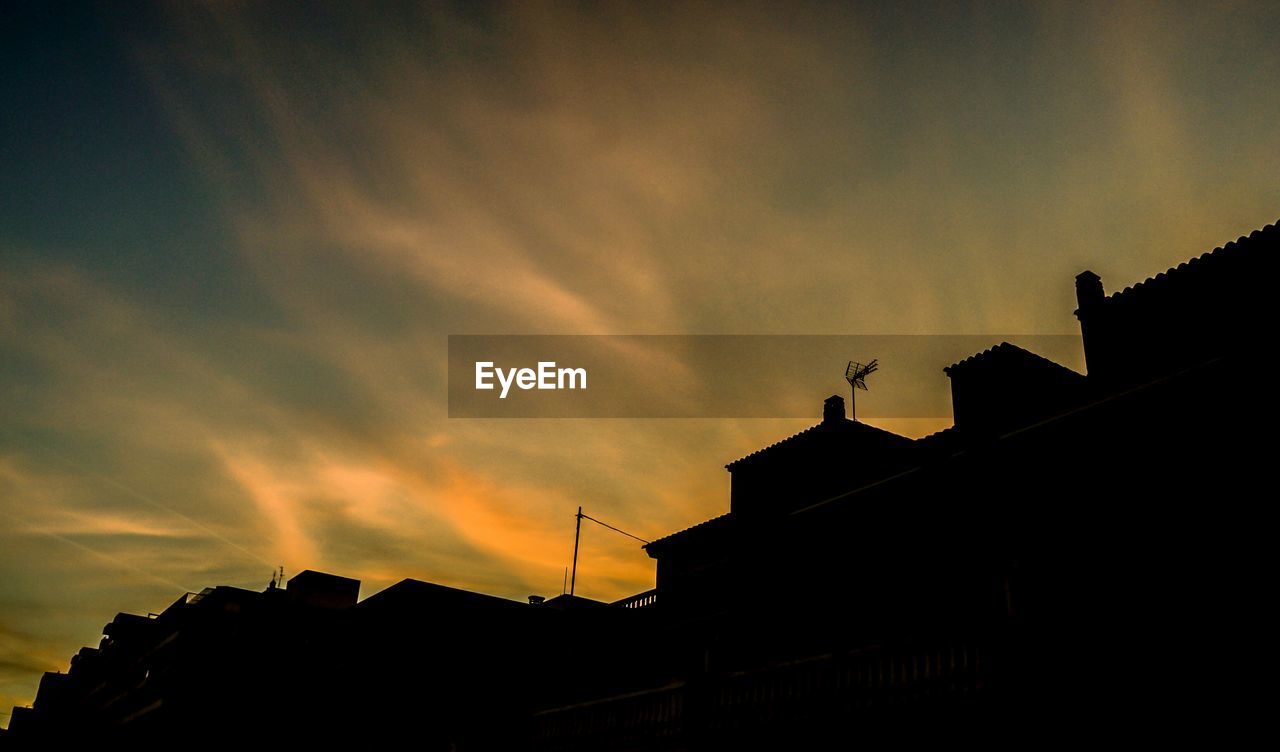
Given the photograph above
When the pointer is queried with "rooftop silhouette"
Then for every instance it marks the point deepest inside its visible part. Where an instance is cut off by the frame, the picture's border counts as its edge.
(1079, 554)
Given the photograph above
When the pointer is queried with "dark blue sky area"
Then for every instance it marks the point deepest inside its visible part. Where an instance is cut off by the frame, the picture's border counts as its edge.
(93, 173)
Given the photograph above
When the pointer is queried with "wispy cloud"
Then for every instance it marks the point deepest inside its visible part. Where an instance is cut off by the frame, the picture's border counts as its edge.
(381, 181)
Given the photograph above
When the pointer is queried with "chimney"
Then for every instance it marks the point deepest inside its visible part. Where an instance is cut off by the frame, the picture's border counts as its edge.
(833, 409)
(1088, 291)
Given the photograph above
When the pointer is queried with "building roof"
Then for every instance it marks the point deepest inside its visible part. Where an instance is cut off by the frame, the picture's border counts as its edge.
(713, 524)
(1005, 353)
(948, 438)
(567, 602)
(1219, 259)
(416, 595)
(843, 429)
(323, 589)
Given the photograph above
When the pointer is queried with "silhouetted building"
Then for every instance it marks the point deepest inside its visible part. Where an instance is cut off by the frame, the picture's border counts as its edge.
(1078, 556)
(832, 456)
(1208, 307)
(323, 590)
(1008, 387)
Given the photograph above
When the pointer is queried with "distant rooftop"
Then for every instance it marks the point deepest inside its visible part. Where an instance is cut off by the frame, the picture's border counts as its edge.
(416, 594)
(715, 523)
(849, 430)
(1006, 353)
(1220, 259)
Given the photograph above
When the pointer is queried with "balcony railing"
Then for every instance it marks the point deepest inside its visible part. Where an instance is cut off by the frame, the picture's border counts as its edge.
(647, 599)
(833, 691)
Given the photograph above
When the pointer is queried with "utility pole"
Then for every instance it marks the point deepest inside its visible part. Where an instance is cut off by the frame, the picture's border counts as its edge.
(577, 535)
(577, 532)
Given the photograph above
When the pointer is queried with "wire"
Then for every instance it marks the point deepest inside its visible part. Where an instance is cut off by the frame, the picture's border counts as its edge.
(614, 529)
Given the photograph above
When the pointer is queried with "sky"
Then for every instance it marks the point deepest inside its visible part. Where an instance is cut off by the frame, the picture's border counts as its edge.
(235, 237)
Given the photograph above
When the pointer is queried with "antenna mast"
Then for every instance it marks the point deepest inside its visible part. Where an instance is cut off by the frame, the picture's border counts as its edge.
(856, 374)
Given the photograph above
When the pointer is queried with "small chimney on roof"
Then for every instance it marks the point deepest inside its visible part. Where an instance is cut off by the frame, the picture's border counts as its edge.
(1089, 290)
(833, 409)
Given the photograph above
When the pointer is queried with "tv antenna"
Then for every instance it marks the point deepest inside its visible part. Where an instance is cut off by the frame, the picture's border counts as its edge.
(856, 374)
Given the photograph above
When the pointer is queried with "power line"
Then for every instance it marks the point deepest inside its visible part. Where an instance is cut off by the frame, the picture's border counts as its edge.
(577, 535)
(614, 529)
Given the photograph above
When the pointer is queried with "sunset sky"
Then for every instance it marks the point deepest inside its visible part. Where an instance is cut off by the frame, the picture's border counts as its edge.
(234, 238)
